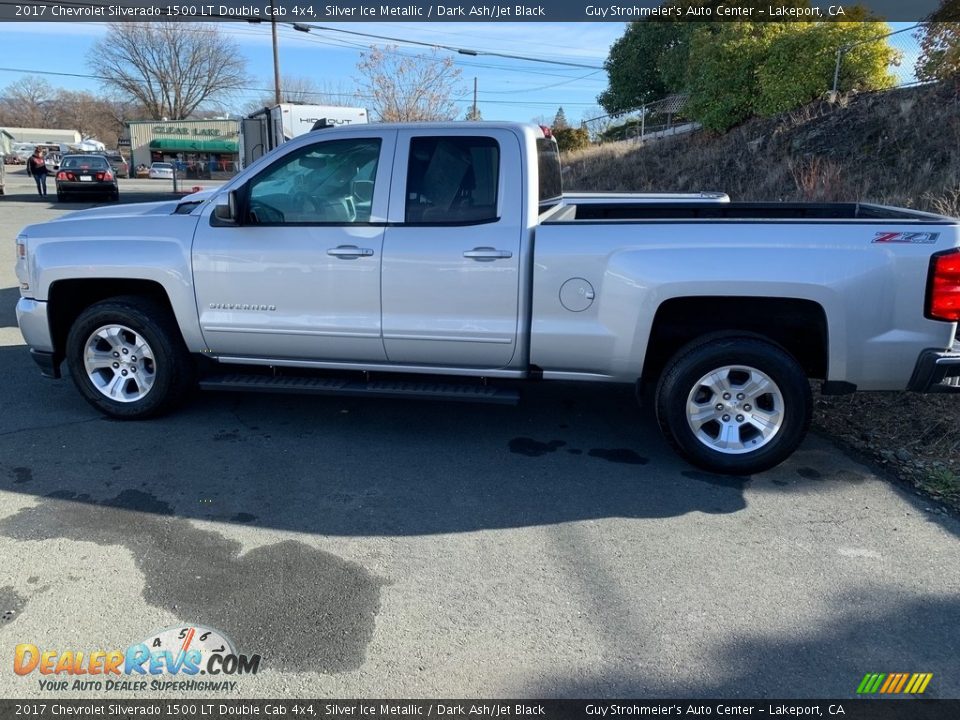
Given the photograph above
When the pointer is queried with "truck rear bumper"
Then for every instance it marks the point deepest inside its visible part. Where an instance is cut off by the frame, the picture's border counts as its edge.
(937, 371)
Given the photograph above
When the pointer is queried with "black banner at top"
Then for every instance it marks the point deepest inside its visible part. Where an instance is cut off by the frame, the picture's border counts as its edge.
(688, 709)
(304, 12)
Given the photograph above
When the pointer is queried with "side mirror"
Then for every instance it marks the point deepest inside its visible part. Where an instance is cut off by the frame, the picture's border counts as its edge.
(225, 209)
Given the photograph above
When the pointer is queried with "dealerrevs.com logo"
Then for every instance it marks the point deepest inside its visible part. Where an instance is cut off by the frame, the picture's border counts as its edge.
(172, 659)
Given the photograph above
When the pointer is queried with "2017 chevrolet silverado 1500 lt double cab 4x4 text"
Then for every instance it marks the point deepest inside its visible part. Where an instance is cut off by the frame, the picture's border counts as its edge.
(352, 259)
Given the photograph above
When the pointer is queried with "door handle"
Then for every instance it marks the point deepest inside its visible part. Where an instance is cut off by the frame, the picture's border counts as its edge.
(487, 253)
(349, 252)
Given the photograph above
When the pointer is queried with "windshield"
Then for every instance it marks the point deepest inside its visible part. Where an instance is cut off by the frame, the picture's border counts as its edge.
(84, 163)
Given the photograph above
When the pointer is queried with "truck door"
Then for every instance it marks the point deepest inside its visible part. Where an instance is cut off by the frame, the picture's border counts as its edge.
(451, 254)
(299, 276)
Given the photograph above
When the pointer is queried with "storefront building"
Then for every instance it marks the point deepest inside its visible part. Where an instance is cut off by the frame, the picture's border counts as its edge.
(199, 148)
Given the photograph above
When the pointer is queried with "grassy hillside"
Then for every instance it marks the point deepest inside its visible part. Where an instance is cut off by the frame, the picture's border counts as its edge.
(900, 147)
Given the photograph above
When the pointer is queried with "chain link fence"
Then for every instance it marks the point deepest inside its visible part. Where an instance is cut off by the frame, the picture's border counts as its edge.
(906, 44)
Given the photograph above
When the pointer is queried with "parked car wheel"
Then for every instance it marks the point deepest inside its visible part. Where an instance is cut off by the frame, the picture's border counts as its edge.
(127, 358)
(734, 405)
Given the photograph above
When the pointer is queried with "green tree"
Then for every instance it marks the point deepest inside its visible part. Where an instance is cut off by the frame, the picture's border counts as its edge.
(560, 120)
(722, 79)
(646, 63)
(940, 44)
(800, 63)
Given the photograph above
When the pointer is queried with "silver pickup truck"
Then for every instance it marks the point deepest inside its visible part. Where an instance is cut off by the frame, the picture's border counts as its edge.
(361, 259)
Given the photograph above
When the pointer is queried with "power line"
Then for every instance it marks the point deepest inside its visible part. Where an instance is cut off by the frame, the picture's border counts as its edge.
(320, 93)
(306, 27)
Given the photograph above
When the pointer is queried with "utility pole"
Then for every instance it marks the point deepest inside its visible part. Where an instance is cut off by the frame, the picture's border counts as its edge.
(474, 113)
(276, 56)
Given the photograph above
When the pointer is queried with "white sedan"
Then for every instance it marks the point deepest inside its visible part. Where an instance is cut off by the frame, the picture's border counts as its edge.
(161, 171)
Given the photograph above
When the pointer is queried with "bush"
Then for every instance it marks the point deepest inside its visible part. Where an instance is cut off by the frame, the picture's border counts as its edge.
(722, 79)
(571, 138)
(800, 64)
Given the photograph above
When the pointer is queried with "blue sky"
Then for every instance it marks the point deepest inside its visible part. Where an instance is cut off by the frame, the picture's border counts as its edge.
(508, 89)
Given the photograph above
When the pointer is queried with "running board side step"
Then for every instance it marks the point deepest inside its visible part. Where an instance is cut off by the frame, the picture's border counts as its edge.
(358, 388)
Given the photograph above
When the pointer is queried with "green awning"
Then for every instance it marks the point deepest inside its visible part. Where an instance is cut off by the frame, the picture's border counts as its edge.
(191, 145)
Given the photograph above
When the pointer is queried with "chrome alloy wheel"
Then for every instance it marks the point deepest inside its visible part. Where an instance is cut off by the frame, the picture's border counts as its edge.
(735, 409)
(119, 363)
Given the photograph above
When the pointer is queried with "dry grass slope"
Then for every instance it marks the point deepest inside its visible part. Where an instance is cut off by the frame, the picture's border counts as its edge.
(900, 147)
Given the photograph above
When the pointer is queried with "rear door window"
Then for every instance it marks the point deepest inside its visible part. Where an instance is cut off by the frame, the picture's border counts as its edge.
(452, 180)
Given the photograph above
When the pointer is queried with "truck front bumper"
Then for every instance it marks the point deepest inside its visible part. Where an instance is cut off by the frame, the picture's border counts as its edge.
(937, 371)
(35, 328)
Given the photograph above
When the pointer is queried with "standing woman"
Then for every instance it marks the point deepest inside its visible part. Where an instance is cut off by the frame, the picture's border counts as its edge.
(37, 167)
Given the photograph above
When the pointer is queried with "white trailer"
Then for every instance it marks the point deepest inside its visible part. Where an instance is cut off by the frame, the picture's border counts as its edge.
(270, 127)
(291, 121)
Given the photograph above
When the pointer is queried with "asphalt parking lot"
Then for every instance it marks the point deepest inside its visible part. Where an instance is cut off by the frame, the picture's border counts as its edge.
(372, 548)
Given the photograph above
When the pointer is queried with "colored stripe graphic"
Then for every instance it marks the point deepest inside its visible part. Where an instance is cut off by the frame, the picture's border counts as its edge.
(903, 681)
(894, 683)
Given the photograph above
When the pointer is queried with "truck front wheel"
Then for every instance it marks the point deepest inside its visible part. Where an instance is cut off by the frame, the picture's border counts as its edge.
(734, 405)
(127, 358)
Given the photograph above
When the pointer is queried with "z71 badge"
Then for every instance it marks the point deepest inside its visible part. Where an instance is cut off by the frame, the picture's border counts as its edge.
(915, 238)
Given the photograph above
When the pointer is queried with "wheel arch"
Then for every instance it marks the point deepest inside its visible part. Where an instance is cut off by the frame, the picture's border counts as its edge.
(68, 298)
(797, 326)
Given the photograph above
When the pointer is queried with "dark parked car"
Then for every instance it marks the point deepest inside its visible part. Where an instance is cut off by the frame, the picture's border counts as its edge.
(121, 167)
(86, 175)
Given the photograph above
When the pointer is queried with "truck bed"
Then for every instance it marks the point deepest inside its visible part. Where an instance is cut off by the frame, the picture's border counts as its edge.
(600, 211)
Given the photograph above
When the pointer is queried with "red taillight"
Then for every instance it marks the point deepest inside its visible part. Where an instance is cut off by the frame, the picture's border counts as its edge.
(105, 176)
(943, 293)
(61, 175)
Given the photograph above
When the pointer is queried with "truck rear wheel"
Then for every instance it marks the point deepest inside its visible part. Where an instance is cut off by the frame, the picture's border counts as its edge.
(127, 358)
(734, 405)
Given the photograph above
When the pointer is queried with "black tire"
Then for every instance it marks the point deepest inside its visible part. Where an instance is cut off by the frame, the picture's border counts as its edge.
(171, 369)
(681, 378)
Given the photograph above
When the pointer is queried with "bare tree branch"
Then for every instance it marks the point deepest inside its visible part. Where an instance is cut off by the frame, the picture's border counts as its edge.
(401, 88)
(169, 68)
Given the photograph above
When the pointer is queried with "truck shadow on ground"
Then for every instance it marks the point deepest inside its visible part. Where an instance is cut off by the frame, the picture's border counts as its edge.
(368, 467)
